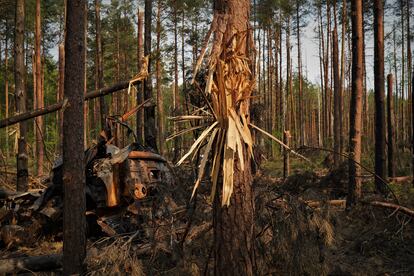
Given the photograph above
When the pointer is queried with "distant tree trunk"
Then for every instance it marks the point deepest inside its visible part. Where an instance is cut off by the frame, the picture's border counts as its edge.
(396, 103)
(328, 73)
(282, 91)
(74, 223)
(176, 96)
(325, 97)
(160, 102)
(20, 95)
(337, 91)
(354, 191)
(341, 108)
(390, 122)
(302, 107)
(380, 168)
(140, 95)
(286, 137)
(149, 114)
(38, 92)
(234, 225)
(99, 61)
(321, 121)
(412, 121)
(402, 86)
(116, 98)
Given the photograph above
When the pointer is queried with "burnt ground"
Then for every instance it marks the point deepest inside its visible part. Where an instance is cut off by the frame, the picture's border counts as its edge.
(298, 231)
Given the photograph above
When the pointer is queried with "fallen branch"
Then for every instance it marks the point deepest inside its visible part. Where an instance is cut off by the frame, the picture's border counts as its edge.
(60, 105)
(34, 263)
(280, 142)
(395, 207)
(335, 202)
(32, 114)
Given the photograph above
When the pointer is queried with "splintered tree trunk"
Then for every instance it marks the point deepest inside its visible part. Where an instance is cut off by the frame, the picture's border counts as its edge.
(337, 92)
(38, 92)
(354, 189)
(20, 94)
(390, 123)
(379, 96)
(233, 225)
(74, 223)
(149, 113)
(140, 96)
(99, 63)
(160, 108)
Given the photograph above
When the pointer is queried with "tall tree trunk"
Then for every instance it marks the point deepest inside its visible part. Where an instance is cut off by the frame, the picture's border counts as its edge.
(321, 118)
(337, 91)
(286, 131)
(412, 122)
(402, 86)
(329, 77)
(38, 92)
(6, 85)
(176, 96)
(396, 114)
(85, 84)
(140, 96)
(380, 168)
(20, 95)
(409, 68)
(149, 114)
(354, 191)
(99, 60)
(390, 123)
(341, 108)
(74, 222)
(160, 108)
(233, 225)
(60, 95)
(301, 109)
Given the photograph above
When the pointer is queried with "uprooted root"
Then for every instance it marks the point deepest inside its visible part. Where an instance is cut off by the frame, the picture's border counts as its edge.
(291, 236)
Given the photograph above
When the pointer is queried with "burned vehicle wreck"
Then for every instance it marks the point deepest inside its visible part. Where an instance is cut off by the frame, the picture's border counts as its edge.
(125, 189)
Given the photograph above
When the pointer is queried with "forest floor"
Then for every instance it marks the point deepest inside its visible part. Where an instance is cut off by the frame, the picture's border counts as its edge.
(302, 228)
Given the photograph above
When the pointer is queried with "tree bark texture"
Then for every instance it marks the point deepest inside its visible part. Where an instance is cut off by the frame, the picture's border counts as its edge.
(380, 162)
(354, 188)
(74, 223)
(21, 96)
(149, 113)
